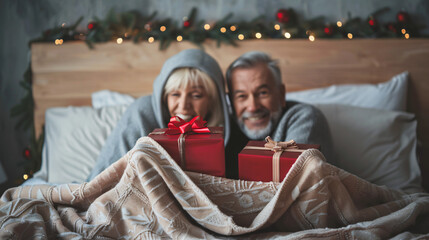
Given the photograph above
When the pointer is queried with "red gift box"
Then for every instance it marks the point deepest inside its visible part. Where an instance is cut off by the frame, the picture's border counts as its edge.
(203, 152)
(257, 163)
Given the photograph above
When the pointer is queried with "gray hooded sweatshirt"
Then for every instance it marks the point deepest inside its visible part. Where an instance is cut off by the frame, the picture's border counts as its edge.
(148, 112)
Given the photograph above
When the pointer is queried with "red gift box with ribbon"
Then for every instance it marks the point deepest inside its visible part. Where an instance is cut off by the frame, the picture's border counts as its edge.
(269, 160)
(193, 146)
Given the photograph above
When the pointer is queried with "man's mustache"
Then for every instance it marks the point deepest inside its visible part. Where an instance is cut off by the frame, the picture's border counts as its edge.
(259, 113)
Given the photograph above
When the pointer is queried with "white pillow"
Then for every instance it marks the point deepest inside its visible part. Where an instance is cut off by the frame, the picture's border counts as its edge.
(376, 145)
(73, 139)
(106, 98)
(390, 95)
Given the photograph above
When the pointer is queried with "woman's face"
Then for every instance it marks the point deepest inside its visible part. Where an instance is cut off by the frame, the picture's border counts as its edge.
(188, 102)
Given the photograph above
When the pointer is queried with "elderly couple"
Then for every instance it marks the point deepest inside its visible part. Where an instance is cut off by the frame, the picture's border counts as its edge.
(191, 84)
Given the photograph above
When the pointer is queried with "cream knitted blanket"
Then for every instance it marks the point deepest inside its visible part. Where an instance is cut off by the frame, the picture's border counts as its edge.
(145, 195)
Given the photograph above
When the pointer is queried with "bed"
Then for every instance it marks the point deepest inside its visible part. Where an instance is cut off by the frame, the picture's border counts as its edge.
(373, 93)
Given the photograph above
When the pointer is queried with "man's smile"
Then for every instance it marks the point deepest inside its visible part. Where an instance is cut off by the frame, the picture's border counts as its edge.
(256, 120)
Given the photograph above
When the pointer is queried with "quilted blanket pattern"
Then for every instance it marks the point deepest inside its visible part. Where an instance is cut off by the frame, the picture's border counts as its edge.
(146, 195)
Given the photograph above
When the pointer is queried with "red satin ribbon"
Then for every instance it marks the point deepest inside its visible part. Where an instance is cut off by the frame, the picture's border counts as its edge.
(179, 126)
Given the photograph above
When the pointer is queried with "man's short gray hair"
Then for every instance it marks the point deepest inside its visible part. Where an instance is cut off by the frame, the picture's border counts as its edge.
(251, 59)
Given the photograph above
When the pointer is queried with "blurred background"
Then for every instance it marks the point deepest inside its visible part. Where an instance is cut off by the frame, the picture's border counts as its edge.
(24, 20)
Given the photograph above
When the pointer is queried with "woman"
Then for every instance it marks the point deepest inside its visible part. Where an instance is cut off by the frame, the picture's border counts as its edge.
(190, 92)
(190, 84)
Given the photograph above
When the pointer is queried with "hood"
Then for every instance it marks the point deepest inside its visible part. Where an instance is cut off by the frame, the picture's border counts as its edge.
(195, 58)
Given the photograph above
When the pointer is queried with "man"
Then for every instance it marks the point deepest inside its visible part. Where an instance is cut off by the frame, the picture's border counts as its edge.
(257, 95)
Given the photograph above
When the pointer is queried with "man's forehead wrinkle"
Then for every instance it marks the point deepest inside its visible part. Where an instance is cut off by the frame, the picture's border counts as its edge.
(263, 85)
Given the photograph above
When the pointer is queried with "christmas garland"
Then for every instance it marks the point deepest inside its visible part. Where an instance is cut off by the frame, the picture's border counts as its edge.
(24, 110)
(133, 26)
(138, 28)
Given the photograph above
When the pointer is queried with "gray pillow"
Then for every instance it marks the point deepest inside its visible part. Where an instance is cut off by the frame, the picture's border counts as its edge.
(376, 145)
(390, 95)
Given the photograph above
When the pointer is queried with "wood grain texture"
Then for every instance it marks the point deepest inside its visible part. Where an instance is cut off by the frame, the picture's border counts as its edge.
(68, 74)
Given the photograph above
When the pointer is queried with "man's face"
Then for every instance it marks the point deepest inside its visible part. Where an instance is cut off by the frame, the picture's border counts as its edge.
(257, 100)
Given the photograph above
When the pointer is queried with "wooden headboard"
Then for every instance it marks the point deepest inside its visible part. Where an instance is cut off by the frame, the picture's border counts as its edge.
(68, 74)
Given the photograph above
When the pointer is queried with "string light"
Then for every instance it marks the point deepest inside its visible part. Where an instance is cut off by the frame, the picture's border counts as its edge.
(277, 27)
(25, 176)
(311, 38)
(403, 31)
(339, 24)
(81, 36)
(233, 28)
(287, 35)
(407, 36)
(207, 26)
(151, 39)
(349, 35)
(223, 30)
(162, 28)
(119, 40)
(240, 37)
(179, 38)
(258, 35)
(58, 41)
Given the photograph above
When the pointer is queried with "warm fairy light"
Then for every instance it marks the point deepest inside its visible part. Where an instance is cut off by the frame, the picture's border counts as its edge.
(240, 36)
(207, 26)
(80, 37)
(151, 39)
(287, 35)
(403, 31)
(258, 35)
(233, 28)
(223, 30)
(25, 176)
(277, 27)
(179, 38)
(349, 35)
(119, 40)
(339, 24)
(63, 25)
(162, 28)
(58, 41)
(407, 36)
(311, 38)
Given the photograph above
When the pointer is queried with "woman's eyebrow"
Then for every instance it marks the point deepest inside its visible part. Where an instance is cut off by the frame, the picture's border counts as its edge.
(197, 87)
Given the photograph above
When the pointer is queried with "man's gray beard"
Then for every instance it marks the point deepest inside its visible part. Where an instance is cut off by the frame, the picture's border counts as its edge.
(260, 134)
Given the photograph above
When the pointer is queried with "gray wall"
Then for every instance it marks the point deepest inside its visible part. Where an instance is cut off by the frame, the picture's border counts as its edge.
(23, 20)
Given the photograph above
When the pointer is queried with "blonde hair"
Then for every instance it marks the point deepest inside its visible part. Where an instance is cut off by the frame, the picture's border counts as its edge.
(183, 77)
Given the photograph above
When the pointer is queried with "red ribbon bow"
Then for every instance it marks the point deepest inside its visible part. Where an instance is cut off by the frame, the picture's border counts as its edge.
(179, 126)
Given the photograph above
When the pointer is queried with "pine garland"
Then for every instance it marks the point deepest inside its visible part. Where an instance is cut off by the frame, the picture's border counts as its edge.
(133, 26)
(24, 111)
